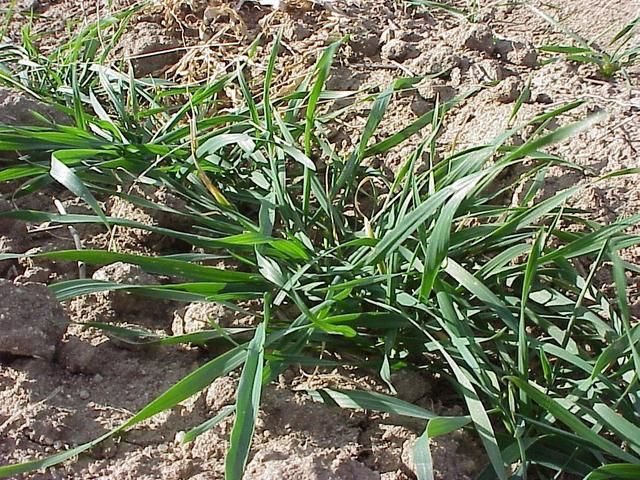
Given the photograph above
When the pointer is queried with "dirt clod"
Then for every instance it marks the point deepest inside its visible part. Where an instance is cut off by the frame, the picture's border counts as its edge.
(17, 108)
(221, 392)
(508, 90)
(479, 37)
(34, 274)
(488, 71)
(366, 45)
(517, 53)
(150, 48)
(397, 50)
(410, 385)
(435, 60)
(6, 224)
(126, 274)
(288, 460)
(79, 356)
(12, 235)
(32, 321)
(432, 88)
(198, 316)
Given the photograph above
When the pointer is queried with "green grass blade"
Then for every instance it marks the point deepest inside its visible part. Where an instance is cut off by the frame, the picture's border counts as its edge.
(422, 459)
(527, 284)
(620, 280)
(192, 434)
(410, 223)
(563, 415)
(156, 265)
(247, 402)
(619, 424)
(625, 30)
(422, 453)
(322, 72)
(478, 414)
(484, 294)
(615, 471)
(439, 241)
(66, 177)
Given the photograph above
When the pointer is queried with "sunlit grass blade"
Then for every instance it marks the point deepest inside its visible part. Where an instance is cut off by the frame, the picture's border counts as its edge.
(422, 453)
(365, 400)
(194, 433)
(63, 174)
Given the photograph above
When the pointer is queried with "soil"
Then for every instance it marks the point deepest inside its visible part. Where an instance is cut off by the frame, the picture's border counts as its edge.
(72, 387)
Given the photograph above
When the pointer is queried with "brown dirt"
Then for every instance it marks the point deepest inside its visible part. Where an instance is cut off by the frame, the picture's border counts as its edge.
(94, 383)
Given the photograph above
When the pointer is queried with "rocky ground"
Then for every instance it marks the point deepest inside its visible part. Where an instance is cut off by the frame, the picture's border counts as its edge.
(62, 385)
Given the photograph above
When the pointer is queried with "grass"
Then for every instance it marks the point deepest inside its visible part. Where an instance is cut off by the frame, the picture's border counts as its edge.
(441, 276)
(618, 54)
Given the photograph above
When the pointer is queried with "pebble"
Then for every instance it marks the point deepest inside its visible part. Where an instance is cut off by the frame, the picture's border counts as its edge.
(179, 436)
(395, 50)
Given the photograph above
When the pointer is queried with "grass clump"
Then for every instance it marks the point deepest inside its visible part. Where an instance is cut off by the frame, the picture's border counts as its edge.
(618, 54)
(438, 273)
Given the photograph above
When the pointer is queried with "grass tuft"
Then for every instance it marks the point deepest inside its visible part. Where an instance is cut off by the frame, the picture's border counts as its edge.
(443, 276)
(619, 54)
